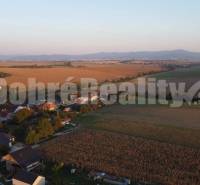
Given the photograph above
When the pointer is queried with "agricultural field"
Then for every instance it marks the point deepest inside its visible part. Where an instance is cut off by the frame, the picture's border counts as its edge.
(177, 126)
(57, 72)
(140, 159)
(188, 75)
(154, 144)
(192, 72)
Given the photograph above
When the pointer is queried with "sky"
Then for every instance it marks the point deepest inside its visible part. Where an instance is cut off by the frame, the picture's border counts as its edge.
(88, 26)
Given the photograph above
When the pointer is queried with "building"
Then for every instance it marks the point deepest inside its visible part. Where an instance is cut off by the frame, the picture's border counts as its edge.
(48, 106)
(27, 178)
(82, 100)
(73, 108)
(86, 100)
(26, 159)
(66, 121)
(6, 140)
(19, 108)
(67, 109)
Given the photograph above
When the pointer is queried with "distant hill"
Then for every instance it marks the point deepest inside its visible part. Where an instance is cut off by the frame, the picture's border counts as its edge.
(143, 55)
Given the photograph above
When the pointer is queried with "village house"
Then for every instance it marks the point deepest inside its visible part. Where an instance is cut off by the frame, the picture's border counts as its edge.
(27, 178)
(48, 106)
(82, 100)
(6, 140)
(86, 100)
(26, 159)
(66, 121)
(67, 109)
(74, 107)
(19, 108)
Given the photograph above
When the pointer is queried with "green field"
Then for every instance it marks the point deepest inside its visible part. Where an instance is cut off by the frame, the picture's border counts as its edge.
(188, 75)
(177, 126)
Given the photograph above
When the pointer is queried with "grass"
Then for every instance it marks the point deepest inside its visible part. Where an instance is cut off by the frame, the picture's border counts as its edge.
(179, 74)
(177, 126)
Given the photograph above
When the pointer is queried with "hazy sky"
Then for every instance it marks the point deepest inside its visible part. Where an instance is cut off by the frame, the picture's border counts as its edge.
(85, 26)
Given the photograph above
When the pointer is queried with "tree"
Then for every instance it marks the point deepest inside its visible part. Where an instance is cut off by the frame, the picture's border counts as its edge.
(44, 128)
(56, 171)
(32, 137)
(68, 64)
(22, 115)
(58, 123)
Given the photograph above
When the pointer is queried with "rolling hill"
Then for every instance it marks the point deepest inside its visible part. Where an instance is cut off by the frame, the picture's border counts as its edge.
(142, 55)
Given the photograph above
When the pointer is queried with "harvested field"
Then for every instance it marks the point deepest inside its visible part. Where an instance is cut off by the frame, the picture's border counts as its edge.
(101, 72)
(121, 155)
(177, 126)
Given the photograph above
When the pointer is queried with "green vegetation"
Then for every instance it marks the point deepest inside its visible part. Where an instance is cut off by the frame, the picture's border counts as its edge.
(22, 115)
(179, 74)
(57, 64)
(177, 126)
(43, 129)
(58, 123)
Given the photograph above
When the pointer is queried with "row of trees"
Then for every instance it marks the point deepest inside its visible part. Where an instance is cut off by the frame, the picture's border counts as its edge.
(34, 127)
(43, 130)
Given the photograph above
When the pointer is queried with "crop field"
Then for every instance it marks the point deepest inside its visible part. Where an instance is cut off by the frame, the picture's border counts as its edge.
(122, 155)
(177, 126)
(187, 75)
(193, 72)
(147, 143)
(99, 71)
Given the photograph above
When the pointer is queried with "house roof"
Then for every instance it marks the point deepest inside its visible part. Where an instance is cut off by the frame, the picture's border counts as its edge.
(25, 177)
(74, 107)
(4, 139)
(26, 156)
(48, 106)
(19, 108)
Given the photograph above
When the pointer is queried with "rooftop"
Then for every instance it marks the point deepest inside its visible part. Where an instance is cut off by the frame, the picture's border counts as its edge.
(25, 177)
(26, 156)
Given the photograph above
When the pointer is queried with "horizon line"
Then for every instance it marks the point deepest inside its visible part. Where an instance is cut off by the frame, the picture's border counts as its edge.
(101, 52)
